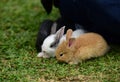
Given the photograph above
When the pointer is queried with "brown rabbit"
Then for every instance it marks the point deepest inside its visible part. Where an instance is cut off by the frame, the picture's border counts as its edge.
(86, 46)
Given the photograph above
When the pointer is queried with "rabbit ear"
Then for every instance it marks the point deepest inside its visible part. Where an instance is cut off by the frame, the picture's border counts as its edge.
(69, 34)
(71, 42)
(58, 36)
(60, 33)
(53, 28)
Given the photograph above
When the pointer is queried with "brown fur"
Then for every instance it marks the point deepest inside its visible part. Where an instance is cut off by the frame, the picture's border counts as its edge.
(86, 46)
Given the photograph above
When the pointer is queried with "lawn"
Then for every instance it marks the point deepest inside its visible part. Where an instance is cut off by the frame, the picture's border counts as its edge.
(19, 24)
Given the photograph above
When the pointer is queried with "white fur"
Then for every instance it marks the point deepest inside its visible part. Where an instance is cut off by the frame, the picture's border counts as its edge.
(75, 34)
(48, 52)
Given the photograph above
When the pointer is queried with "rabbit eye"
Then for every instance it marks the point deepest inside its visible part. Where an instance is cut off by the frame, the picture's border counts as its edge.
(61, 54)
(53, 45)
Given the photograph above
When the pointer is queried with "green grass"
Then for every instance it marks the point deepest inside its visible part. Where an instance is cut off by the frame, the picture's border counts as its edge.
(19, 24)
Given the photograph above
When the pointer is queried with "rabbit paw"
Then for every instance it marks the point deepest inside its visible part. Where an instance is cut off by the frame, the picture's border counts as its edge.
(41, 54)
(46, 56)
(71, 63)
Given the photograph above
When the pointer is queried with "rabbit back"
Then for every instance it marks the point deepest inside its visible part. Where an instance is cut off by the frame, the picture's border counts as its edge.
(90, 45)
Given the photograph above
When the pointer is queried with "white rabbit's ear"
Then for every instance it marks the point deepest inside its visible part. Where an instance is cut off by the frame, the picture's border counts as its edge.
(58, 36)
(60, 33)
(53, 28)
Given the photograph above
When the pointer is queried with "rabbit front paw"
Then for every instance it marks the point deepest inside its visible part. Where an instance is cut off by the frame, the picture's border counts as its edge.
(73, 62)
(46, 56)
(40, 54)
(43, 55)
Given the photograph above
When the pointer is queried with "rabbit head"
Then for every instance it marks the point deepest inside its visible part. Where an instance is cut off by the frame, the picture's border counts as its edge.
(51, 42)
(65, 51)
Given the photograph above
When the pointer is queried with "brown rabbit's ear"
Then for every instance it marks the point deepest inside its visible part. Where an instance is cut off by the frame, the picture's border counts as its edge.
(69, 34)
(71, 42)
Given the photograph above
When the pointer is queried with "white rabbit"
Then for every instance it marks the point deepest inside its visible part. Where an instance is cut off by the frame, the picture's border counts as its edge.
(51, 42)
